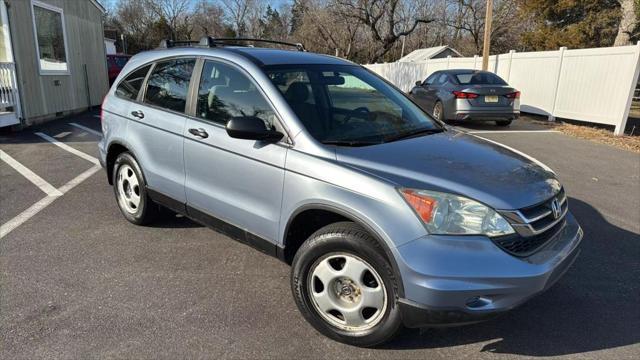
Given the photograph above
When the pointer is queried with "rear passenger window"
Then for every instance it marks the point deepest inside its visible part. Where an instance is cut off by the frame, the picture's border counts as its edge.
(130, 86)
(168, 84)
(225, 92)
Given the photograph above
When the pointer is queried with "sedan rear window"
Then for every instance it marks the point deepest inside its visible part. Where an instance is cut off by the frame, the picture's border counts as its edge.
(479, 78)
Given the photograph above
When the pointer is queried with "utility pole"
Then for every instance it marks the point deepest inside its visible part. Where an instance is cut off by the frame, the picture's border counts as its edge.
(487, 35)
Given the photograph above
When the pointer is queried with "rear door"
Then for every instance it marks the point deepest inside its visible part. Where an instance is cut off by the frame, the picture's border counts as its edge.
(157, 125)
(228, 180)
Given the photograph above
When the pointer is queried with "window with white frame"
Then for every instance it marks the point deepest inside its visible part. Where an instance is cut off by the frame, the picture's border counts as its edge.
(48, 25)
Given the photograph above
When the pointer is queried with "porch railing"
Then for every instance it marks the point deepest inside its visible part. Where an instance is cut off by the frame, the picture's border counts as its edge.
(9, 97)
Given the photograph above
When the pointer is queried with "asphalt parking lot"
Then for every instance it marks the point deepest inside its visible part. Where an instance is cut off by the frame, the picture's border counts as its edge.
(78, 281)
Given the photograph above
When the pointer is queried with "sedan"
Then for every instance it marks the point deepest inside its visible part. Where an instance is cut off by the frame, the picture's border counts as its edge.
(467, 95)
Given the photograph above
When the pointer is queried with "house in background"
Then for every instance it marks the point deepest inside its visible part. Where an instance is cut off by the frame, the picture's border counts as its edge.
(52, 59)
(430, 53)
(110, 46)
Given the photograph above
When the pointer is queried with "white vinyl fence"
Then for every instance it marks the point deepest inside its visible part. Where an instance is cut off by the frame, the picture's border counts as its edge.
(592, 85)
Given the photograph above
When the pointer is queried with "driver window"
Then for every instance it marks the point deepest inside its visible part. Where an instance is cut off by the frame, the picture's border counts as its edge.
(225, 92)
(431, 78)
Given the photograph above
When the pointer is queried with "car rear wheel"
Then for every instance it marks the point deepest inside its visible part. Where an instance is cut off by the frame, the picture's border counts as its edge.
(438, 111)
(345, 287)
(130, 190)
(503, 122)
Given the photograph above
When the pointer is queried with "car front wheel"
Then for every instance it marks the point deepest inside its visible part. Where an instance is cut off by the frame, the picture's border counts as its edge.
(345, 287)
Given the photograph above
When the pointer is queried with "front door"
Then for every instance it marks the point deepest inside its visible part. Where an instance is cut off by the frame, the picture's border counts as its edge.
(236, 181)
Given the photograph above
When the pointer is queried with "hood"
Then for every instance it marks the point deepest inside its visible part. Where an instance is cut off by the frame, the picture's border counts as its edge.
(457, 163)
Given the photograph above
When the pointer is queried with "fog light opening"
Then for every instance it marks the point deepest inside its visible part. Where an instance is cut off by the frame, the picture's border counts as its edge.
(478, 302)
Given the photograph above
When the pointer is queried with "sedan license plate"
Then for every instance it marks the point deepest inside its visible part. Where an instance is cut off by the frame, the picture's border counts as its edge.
(491, 99)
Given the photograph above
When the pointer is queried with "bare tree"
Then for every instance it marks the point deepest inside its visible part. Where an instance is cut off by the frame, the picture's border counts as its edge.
(175, 13)
(207, 20)
(237, 12)
(470, 18)
(383, 20)
(628, 22)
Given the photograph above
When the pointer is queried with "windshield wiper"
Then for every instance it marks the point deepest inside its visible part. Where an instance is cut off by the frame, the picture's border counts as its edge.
(350, 142)
(414, 133)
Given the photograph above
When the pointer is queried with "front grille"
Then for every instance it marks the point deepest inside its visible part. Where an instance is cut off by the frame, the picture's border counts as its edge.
(534, 225)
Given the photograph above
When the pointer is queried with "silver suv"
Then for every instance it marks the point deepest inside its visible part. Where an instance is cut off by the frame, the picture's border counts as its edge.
(388, 217)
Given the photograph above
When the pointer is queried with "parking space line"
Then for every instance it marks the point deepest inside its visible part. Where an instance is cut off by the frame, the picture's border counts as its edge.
(540, 163)
(30, 175)
(87, 129)
(80, 178)
(68, 148)
(32, 210)
(19, 219)
(511, 131)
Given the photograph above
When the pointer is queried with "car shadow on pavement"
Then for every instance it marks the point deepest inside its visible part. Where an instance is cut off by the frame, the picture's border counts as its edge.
(171, 220)
(593, 307)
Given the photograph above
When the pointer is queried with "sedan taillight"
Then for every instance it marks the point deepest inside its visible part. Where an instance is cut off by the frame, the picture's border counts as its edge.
(513, 95)
(464, 95)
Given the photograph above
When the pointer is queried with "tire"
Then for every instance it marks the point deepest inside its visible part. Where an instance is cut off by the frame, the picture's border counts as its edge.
(438, 111)
(130, 189)
(348, 244)
(503, 122)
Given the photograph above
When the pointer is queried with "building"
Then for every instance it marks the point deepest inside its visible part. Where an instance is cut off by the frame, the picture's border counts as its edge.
(52, 59)
(110, 46)
(430, 53)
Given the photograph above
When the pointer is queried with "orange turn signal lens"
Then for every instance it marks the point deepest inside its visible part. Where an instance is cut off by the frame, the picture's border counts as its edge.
(422, 204)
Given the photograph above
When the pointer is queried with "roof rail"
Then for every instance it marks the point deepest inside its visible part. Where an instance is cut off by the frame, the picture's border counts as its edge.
(208, 41)
(167, 43)
(222, 41)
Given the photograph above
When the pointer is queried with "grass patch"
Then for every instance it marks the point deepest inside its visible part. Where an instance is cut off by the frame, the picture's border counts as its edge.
(603, 136)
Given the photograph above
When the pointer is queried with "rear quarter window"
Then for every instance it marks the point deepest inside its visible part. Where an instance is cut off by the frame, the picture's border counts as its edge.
(129, 88)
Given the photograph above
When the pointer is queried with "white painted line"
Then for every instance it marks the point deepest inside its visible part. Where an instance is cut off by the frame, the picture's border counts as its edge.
(30, 175)
(21, 218)
(87, 129)
(517, 152)
(68, 148)
(62, 134)
(80, 178)
(511, 131)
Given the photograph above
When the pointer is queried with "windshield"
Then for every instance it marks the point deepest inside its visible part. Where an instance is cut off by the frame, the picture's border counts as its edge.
(347, 105)
(479, 78)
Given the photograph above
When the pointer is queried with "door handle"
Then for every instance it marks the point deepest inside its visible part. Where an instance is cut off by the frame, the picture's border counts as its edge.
(201, 133)
(139, 114)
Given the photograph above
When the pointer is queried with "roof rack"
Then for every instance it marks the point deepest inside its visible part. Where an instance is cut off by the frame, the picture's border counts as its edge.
(167, 43)
(208, 41)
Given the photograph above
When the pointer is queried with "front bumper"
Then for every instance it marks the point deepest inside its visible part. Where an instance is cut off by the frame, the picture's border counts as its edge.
(451, 280)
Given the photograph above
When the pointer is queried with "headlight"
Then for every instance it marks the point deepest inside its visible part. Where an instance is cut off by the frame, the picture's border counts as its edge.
(448, 214)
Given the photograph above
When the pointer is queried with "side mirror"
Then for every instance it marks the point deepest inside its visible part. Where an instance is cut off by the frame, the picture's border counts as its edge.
(251, 128)
(418, 83)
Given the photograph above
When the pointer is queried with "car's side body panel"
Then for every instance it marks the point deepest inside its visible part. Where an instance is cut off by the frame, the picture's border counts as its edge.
(313, 180)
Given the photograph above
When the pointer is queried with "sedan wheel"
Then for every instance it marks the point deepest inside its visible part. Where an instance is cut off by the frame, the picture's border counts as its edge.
(438, 111)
